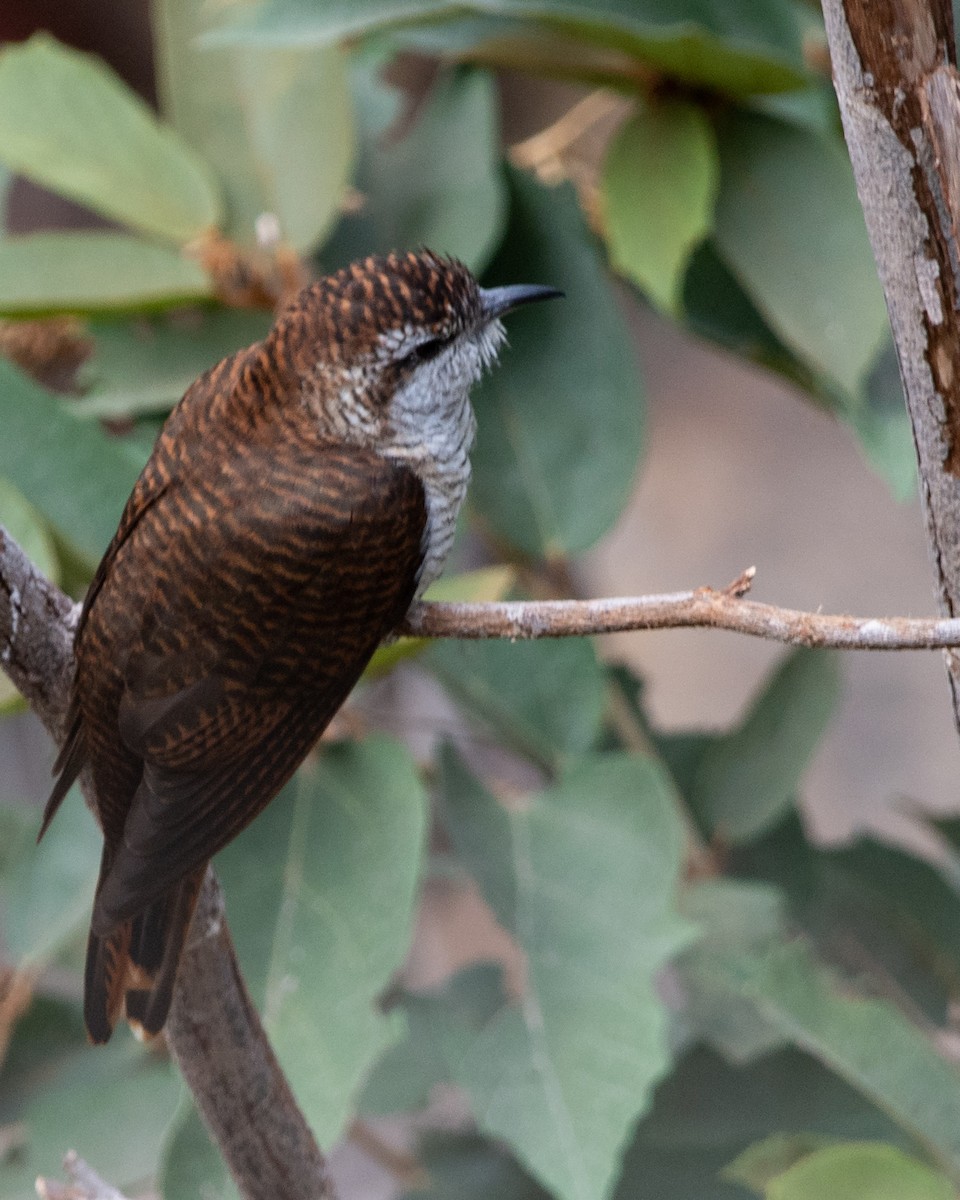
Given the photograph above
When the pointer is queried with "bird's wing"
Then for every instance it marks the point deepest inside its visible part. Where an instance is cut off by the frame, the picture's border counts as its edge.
(73, 753)
(255, 633)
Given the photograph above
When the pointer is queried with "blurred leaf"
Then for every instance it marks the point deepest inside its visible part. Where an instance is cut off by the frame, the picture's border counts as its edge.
(464, 1166)
(865, 1171)
(190, 1165)
(734, 919)
(27, 528)
(441, 1024)
(487, 583)
(17, 823)
(790, 228)
(48, 891)
(545, 697)
(759, 1163)
(288, 23)
(876, 910)
(471, 587)
(743, 49)
(441, 185)
(583, 875)
(145, 366)
(326, 884)
(867, 1042)
(706, 1102)
(71, 471)
(715, 306)
(670, 1173)
(6, 179)
(814, 107)
(113, 1102)
(11, 701)
(883, 425)
(69, 123)
(43, 273)
(745, 780)
(276, 123)
(299, 120)
(659, 186)
(479, 828)
(561, 419)
(707, 1112)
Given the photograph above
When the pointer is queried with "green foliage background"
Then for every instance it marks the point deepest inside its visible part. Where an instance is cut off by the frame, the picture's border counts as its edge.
(675, 1035)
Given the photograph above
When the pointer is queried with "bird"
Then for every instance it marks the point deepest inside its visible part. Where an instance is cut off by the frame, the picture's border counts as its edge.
(300, 497)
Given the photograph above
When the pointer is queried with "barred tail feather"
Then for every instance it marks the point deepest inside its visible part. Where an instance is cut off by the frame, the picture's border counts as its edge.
(132, 970)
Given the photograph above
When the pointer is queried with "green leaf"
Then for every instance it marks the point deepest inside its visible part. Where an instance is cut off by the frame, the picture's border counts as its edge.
(440, 1027)
(276, 123)
(293, 24)
(28, 529)
(545, 698)
(790, 228)
(323, 889)
(734, 919)
(190, 1164)
(112, 1102)
(439, 186)
(6, 179)
(883, 426)
(707, 1112)
(659, 186)
(464, 1166)
(864, 1171)
(867, 1042)
(48, 891)
(560, 421)
(761, 1162)
(715, 306)
(67, 122)
(583, 875)
(742, 49)
(73, 473)
(299, 120)
(868, 903)
(746, 780)
(43, 273)
(145, 366)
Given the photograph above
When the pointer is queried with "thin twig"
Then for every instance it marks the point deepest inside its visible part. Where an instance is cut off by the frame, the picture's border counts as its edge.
(85, 1183)
(703, 607)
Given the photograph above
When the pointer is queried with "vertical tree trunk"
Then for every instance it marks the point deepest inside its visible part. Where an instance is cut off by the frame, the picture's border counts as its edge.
(899, 91)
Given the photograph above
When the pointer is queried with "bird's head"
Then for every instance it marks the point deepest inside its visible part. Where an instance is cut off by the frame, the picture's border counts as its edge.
(390, 347)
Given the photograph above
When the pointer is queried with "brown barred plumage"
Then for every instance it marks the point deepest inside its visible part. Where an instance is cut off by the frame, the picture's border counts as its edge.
(279, 531)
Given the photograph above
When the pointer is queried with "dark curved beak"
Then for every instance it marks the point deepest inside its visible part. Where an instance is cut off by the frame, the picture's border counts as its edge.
(499, 300)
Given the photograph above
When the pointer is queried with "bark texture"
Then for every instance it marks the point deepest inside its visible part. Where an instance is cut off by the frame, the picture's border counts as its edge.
(894, 67)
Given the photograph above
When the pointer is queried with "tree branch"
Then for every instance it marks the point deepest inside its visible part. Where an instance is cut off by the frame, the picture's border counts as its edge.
(85, 1183)
(896, 81)
(703, 607)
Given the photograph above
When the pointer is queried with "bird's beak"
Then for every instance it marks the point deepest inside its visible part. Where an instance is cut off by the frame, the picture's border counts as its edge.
(497, 301)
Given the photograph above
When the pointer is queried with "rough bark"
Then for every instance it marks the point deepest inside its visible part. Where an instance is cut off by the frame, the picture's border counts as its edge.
(899, 91)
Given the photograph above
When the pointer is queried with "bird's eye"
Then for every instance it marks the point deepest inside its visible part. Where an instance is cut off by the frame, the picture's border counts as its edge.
(425, 351)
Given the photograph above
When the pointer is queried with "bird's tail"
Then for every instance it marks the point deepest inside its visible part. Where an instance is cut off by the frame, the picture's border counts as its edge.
(131, 971)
